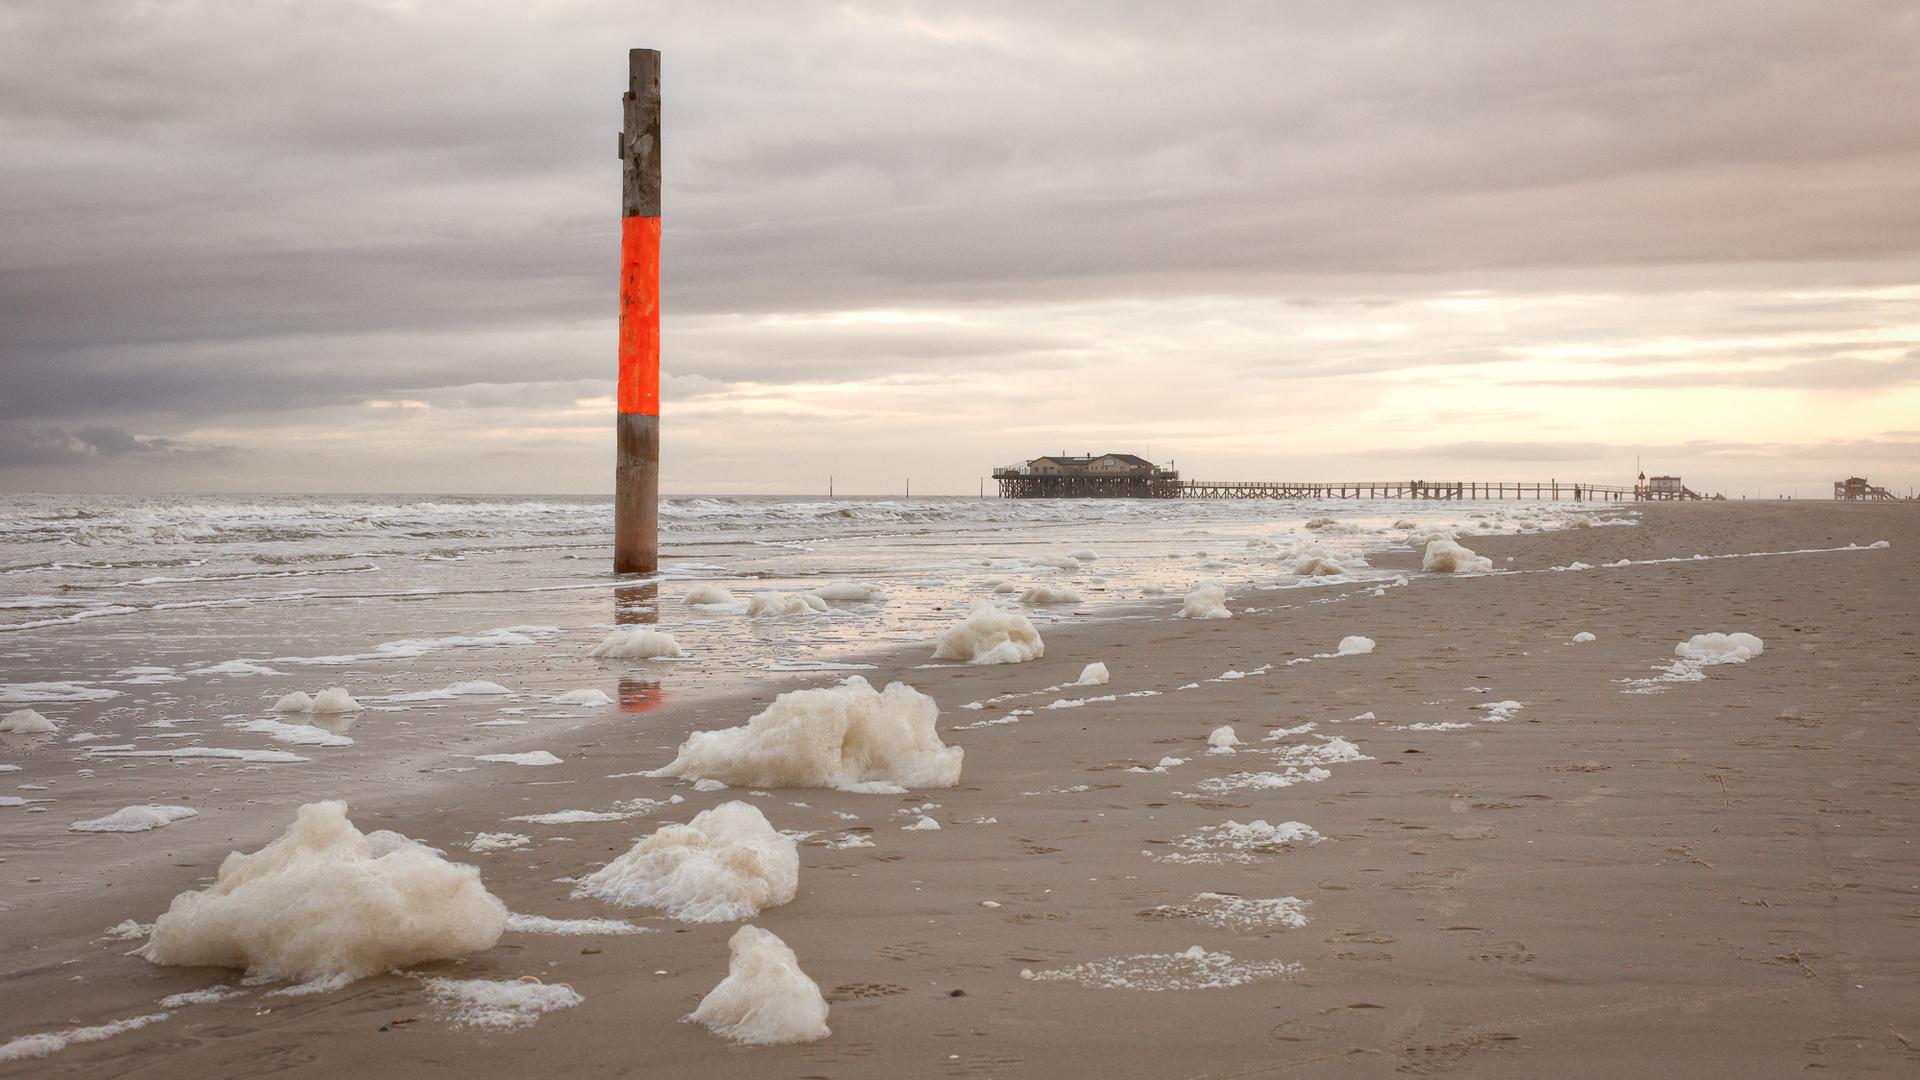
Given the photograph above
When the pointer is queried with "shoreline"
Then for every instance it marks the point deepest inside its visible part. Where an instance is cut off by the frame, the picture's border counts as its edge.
(1519, 954)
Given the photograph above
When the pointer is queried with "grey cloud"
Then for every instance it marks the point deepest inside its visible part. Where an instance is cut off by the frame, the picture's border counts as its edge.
(22, 444)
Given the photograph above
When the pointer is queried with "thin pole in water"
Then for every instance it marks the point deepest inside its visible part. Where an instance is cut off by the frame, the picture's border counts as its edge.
(636, 476)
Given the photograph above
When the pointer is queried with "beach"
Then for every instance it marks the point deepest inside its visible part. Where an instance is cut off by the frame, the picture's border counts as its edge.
(1518, 855)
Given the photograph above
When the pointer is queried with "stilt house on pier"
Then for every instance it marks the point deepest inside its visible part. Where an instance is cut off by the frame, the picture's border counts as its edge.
(1113, 476)
(1856, 488)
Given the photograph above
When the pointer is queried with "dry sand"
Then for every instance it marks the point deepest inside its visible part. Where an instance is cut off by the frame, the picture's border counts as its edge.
(1720, 879)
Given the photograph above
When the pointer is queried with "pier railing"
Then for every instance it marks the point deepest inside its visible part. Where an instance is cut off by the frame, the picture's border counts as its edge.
(1025, 485)
(1401, 489)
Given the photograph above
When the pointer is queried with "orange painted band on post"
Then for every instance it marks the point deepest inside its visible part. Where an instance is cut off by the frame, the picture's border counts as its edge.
(640, 315)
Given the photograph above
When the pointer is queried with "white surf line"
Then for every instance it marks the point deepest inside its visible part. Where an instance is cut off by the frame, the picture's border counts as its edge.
(181, 605)
(1687, 559)
(151, 582)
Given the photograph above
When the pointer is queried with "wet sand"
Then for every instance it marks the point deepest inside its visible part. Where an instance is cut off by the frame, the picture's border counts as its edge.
(1717, 879)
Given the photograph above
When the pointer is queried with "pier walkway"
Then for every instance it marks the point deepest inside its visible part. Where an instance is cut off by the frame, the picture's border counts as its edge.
(1026, 485)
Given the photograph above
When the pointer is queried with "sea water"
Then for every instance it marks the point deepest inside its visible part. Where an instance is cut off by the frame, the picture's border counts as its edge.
(158, 632)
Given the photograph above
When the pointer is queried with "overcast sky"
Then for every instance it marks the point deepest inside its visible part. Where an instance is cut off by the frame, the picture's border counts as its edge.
(321, 245)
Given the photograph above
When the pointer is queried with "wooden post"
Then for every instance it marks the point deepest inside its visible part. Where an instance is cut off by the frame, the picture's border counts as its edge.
(636, 477)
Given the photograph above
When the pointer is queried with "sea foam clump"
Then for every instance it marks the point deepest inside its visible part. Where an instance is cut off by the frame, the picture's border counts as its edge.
(1047, 594)
(727, 863)
(332, 700)
(1720, 648)
(1195, 969)
(26, 722)
(851, 737)
(707, 595)
(326, 900)
(589, 698)
(1447, 557)
(1231, 841)
(990, 634)
(135, 819)
(773, 603)
(1222, 740)
(1094, 674)
(1208, 600)
(637, 643)
(1231, 912)
(501, 1006)
(765, 999)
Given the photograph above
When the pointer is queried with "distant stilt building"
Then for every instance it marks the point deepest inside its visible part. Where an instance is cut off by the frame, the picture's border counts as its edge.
(1666, 488)
(1110, 476)
(1856, 488)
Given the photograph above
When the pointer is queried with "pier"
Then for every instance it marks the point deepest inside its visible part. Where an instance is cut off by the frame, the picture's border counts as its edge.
(1027, 485)
(1128, 476)
(1396, 489)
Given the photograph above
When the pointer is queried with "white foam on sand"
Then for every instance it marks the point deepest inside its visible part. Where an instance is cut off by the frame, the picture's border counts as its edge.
(297, 701)
(540, 924)
(1075, 703)
(221, 752)
(849, 737)
(637, 643)
(1444, 556)
(498, 841)
(773, 603)
(36, 692)
(707, 596)
(200, 997)
(990, 634)
(135, 819)
(591, 699)
(1582, 637)
(1094, 674)
(325, 900)
(335, 700)
(765, 999)
(1352, 645)
(572, 817)
(1260, 781)
(532, 757)
(1222, 740)
(241, 668)
(501, 1006)
(1230, 912)
(1195, 969)
(1208, 600)
(1720, 648)
(728, 863)
(411, 648)
(26, 722)
(1048, 594)
(1231, 841)
(473, 688)
(1696, 654)
(52, 1042)
(300, 734)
